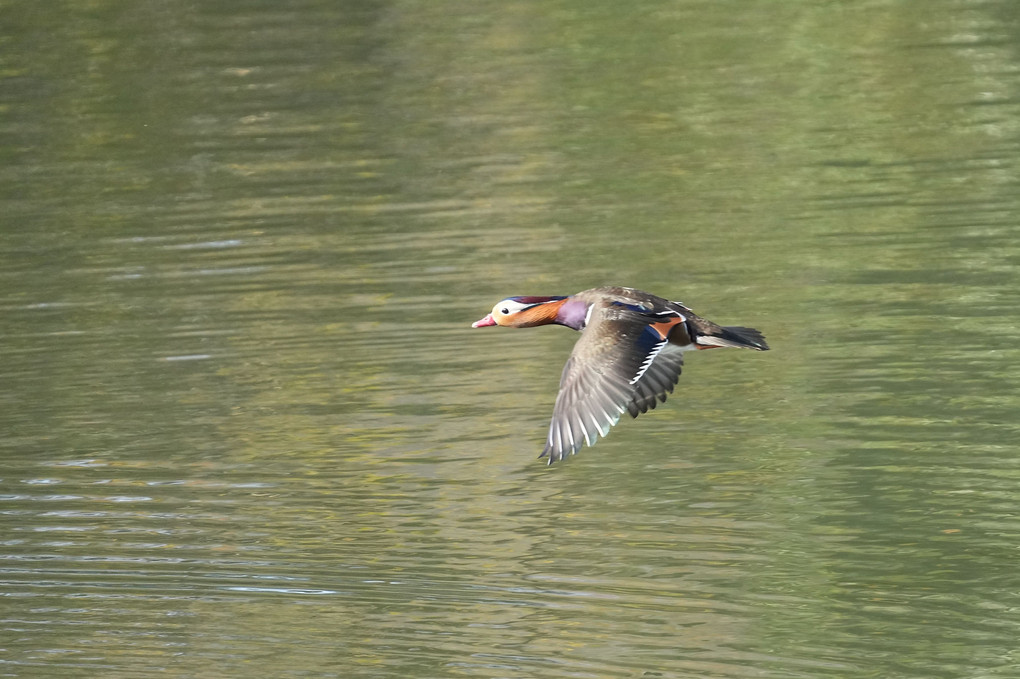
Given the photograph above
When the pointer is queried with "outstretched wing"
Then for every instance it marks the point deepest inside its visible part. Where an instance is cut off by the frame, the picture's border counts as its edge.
(627, 366)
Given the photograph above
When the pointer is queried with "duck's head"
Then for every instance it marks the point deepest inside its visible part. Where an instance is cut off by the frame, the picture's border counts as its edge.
(522, 312)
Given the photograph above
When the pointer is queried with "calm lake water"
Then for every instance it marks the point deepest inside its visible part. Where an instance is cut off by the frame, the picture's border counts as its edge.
(247, 431)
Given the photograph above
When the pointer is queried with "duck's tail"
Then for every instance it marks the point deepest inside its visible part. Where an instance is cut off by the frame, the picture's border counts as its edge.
(732, 336)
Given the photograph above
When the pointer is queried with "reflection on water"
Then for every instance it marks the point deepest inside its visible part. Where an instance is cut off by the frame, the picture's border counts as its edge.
(248, 429)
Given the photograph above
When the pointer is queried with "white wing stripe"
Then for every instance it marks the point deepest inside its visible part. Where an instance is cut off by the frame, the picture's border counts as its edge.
(648, 360)
(580, 423)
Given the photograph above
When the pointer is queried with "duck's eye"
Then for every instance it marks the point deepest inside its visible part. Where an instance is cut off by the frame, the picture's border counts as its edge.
(504, 311)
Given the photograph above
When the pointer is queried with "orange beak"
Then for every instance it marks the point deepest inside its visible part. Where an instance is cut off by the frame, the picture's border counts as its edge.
(488, 320)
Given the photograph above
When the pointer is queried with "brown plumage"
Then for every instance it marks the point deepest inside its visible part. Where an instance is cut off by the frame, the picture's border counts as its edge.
(628, 358)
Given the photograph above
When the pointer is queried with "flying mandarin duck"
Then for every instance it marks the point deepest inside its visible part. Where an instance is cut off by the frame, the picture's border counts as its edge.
(628, 358)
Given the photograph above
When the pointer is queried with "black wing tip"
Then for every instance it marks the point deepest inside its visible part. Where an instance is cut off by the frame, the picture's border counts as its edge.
(747, 338)
(551, 455)
(555, 455)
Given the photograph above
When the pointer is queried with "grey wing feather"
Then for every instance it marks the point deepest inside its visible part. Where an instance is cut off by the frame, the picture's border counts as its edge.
(657, 382)
(609, 380)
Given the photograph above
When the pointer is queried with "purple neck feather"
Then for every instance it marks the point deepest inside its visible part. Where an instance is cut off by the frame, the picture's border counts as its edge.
(572, 314)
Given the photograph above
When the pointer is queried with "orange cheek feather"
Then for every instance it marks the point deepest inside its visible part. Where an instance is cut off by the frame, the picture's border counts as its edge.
(664, 327)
